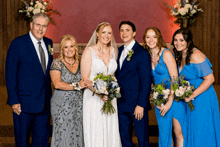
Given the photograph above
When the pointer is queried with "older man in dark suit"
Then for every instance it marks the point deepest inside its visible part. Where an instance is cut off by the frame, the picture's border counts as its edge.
(28, 83)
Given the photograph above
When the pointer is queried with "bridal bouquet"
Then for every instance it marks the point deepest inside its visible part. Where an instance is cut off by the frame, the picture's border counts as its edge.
(182, 89)
(184, 12)
(107, 85)
(159, 94)
(38, 6)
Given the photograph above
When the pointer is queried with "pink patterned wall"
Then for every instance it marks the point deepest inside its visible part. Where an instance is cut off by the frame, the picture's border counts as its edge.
(80, 17)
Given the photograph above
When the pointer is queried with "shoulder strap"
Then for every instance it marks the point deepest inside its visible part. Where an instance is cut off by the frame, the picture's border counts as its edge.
(113, 52)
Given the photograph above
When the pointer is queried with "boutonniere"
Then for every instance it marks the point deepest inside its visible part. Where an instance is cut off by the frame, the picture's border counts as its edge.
(131, 52)
(50, 49)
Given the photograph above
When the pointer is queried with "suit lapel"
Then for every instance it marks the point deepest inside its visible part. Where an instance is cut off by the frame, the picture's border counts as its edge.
(33, 52)
(49, 56)
(125, 60)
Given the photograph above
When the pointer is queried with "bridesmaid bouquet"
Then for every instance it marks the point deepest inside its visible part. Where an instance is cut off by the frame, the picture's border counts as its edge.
(182, 89)
(159, 94)
(107, 85)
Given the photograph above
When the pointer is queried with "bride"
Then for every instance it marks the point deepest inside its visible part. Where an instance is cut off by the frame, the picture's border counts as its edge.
(100, 130)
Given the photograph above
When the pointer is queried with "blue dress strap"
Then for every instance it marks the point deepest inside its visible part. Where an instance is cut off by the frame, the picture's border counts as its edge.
(203, 68)
(194, 49)
(169, 50)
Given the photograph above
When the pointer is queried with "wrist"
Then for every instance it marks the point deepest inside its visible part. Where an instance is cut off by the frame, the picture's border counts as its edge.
(76, 86)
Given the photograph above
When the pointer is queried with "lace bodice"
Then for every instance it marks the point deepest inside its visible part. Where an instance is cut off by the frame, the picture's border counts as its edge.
(98, 66)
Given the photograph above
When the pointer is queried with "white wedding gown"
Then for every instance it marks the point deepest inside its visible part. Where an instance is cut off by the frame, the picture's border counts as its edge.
(100, 130)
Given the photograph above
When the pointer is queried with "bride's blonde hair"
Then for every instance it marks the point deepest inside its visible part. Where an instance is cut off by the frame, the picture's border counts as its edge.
(100, 27)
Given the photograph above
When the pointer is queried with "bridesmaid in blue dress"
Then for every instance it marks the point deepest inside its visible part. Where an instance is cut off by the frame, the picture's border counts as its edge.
(171, 116)
(203, 122)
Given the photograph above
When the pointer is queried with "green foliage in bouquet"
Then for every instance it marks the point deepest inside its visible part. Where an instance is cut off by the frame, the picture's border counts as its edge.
(159, 94)
(109, 87)
(182, 89)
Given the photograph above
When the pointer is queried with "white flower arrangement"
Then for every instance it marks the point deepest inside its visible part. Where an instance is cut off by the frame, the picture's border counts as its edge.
(38, 6)
(185, 11)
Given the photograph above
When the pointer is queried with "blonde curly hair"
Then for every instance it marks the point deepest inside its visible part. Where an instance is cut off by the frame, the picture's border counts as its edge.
(63, 41)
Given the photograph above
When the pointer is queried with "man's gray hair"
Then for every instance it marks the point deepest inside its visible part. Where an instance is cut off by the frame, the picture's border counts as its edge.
(40, 15)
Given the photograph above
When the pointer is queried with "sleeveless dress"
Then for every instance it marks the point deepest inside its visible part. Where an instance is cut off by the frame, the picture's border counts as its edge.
(177, 110)
(100, 130)
(204, 121)
(66, 110)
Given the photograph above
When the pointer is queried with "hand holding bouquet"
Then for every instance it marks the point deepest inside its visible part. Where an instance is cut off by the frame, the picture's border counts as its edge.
(107, 85)
(159, 94)
(182, 89)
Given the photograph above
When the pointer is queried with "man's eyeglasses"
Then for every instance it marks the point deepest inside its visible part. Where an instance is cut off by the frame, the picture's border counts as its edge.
(39, 25)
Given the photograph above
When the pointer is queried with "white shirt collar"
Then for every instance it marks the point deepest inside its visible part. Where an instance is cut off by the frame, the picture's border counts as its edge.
(129, 47)
(34, 40)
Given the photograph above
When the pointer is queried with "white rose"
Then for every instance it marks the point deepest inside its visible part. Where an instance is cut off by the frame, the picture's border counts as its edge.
(181, 88)
(188, 88)
(155, 94)
(165, 97)
(179, 93)
(187, 1)
(40, 5)
(195, 6)
(31, 3)
(36, 11)
(118, 90)
(20, 11)
(45, 3)
(166, 93)
(182, 11)
(188, 6)
(42, 11)
(37, 2)
(30, 9)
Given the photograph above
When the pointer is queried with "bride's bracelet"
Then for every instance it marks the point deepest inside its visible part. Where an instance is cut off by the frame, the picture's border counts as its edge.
(76, 86)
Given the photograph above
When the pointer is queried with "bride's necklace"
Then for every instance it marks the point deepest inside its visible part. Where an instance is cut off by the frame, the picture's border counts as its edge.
(69, 63)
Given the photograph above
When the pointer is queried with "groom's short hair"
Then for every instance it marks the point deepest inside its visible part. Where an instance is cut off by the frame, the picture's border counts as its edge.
(128, 23)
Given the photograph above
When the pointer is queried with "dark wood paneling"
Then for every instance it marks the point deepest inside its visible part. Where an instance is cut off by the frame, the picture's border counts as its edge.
(11, 26)
(206, 32)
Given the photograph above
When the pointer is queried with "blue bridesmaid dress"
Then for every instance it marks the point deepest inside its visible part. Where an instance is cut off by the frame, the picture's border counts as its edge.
(204, 121)
(177, 110)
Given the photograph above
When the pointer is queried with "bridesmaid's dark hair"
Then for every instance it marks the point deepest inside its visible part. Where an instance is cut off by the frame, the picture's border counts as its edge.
(160, 42)
(187, 36)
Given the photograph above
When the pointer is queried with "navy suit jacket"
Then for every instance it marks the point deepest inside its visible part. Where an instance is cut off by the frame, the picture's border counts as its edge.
(26, 83)
(135, 79)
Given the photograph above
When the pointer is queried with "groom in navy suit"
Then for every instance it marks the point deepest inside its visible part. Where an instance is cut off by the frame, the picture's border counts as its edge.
(134, 78)
(28, 84)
